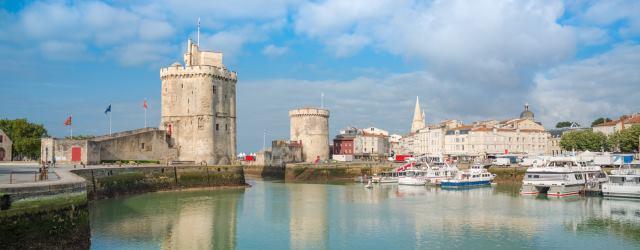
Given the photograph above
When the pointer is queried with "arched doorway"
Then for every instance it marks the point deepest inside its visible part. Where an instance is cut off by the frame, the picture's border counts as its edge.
(1, 154)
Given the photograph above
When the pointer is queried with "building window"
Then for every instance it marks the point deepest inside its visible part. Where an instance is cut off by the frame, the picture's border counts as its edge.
(226, 127)
(214, 89)
(217, 127)
(142, 145)
(0, 138)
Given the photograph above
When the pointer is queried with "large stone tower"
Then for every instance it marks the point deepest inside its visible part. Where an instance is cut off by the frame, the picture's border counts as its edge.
(199, 107)
(311, 127)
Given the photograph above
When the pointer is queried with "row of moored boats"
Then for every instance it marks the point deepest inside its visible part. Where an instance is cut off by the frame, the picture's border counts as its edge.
(437, 173)
(562, 176)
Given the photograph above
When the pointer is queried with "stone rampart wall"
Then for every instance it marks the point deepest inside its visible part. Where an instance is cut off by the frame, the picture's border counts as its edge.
(112, 182)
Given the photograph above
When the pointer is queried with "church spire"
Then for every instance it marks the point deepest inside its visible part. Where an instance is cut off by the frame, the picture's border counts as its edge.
(418, 118)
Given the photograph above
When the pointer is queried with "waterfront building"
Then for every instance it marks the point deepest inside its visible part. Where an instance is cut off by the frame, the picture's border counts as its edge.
(453, 139)
(625, 121)
(369, 143)
(394, 143)
(5, 146)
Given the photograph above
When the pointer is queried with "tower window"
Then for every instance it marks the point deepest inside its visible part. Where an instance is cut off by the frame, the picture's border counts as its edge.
(214, 89)
(217, 127)
(226, 127)
(142, 145)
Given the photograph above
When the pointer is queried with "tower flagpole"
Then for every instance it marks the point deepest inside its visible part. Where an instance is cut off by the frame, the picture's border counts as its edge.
(321, 99)
(198, 32)
(145, 113)
(109, 123)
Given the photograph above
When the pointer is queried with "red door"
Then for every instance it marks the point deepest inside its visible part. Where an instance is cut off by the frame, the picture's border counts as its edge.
(76, 154)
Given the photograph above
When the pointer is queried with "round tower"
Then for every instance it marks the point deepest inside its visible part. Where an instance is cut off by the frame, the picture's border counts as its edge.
(310, 126)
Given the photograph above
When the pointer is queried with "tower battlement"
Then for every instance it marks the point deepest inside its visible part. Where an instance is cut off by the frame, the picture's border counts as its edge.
(177, 71)
(309, 112)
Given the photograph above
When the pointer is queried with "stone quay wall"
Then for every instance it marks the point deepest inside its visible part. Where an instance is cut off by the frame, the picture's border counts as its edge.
(333, 171)
(113, 182)
(276, 172)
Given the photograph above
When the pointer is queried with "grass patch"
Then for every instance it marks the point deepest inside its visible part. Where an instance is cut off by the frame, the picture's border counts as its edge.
(44, 204)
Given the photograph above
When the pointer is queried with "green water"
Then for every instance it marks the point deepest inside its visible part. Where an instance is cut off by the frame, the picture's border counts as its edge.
(276, 215)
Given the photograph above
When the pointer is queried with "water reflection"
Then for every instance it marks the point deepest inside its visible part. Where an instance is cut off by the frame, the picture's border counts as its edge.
(167, 220)
(317, 216)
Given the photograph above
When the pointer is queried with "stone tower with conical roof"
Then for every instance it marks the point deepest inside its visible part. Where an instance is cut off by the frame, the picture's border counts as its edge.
(418, 118)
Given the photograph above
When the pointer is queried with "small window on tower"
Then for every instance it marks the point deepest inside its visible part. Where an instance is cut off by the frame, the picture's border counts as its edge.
(217, 127)
(226, 127)
(142, 145)
(214, 89)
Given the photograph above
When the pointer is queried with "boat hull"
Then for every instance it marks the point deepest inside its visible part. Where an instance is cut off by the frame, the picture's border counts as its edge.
(412, 182)
(553, 191)
(621, 191)
(446, 183)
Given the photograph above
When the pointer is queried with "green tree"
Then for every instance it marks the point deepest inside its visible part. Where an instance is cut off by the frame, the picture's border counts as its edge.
(626, 140)
(25, 137)
(600, 120)
(565, 124)
(584, 140)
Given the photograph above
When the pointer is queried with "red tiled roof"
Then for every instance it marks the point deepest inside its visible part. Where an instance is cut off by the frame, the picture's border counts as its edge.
(632, 120)
(611, 123)
(462, 127)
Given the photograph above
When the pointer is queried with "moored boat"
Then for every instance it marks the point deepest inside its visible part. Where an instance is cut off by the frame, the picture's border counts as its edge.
(413, 177)
(623, 182)
(438, 171)
(474, 176)
(561, 177)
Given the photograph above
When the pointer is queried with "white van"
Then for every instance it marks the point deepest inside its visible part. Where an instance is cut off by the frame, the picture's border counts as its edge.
(501, 162)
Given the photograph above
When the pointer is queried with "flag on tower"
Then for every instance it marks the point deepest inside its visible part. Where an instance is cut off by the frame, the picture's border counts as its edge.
(108, 109)
(144, 104)
(67, 122)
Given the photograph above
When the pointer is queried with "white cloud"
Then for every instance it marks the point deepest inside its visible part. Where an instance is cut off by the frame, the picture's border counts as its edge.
(606, 85)
(493, 43)
(63, 51)
(608, 13)
(274, 51)
(59, 28)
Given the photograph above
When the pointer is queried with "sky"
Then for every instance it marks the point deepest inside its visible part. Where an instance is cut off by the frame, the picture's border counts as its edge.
(466, 60)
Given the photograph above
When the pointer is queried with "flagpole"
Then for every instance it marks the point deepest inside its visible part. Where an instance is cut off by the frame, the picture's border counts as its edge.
(71, 130)
(109, 122)
(145, 118)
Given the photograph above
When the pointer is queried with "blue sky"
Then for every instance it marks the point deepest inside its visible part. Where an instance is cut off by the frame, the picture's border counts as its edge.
(467, 60)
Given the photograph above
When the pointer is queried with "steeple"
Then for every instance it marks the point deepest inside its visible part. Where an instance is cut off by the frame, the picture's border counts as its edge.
(418, 118)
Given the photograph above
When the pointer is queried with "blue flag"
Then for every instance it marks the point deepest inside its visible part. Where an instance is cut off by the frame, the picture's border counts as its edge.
(108, 109)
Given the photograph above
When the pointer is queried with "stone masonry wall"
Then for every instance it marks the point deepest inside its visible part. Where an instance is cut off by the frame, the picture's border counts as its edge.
(112, 182)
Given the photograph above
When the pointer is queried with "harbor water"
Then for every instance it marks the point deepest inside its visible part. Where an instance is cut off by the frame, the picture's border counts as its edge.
(278, 215)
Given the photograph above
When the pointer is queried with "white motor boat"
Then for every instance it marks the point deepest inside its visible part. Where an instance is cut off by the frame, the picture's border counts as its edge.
(413, 177)
(561, 177)
(474, 176)
(438, 171)
(623, 182)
